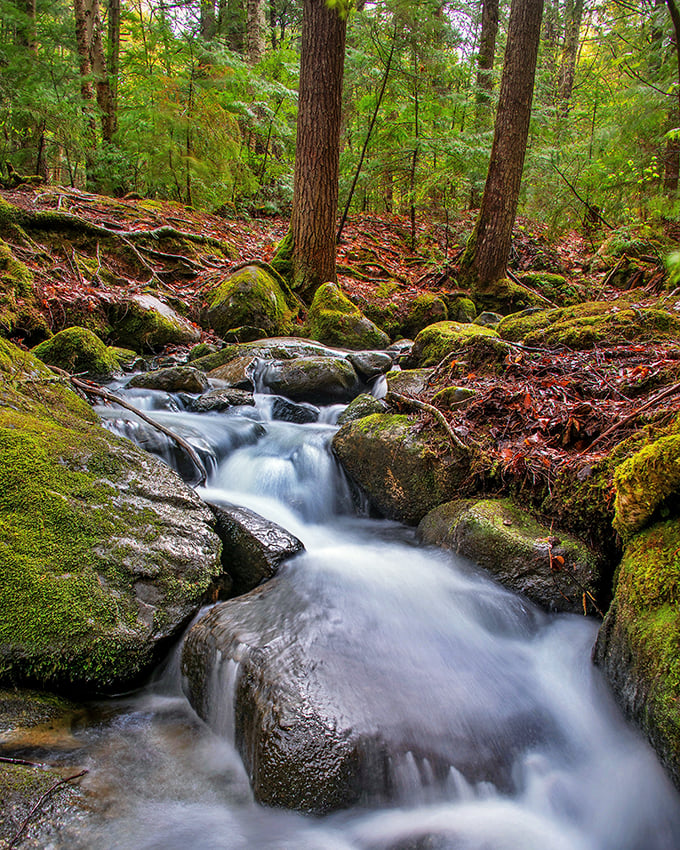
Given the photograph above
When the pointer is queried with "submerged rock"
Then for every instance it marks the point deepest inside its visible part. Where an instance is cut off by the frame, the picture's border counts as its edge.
(175, 379)
(253, 547)
(553, 570)
(104, 552)
(637, 646)
(404, 471)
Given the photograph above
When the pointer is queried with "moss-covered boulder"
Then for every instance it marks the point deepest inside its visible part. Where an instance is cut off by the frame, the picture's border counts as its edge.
(505, 296)
(461, 308)
(553, 570)
(453, 398)
(404, 470)
(237, 373)
(435, 342)
(424, 310)
(638, 646)
(78, 350)
(319, 380)
(555, 287)
(647, 484)
(277, 348)
(104, 552)
(173, 379)
(409, 381)
(334, 320)
(585, 325)
(249, 297)
(145, 323)
(19, 314)
(363, 405)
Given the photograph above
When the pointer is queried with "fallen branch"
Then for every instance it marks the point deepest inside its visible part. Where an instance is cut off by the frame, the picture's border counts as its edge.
(17, 835)
(91, 389)
(407, 401)
(651, 403)
(513, 277)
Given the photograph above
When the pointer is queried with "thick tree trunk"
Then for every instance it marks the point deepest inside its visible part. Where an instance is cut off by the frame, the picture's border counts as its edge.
(114, 55)
(255, 29)
(26, 33)
(315, 189)
(487, 52)
(672, 155)
(567, 71)
(93, 63)
(486, 256)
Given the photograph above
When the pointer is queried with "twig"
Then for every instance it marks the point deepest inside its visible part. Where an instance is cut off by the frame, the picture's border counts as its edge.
(429, 408)
(652, 401)
(24, 763)
(17, 835)
(87, 387)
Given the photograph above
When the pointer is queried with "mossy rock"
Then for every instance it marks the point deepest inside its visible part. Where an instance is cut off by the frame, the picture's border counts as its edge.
(363, 405)
(505, 296)
(624, 241)
(78, 350)
(104, 552)
(334, 320)
(424, 310)
(174, 379)
(555, 287)
(405, 471)
(409, 381)
(145, 323)
(319, 380)
(453, 398)
(647, 485)
(202, 349)
(550, 568)
(19, 313)
(277, 348)
(595, 322)
(249, 297)
(435, 342)
(638, 646)
(461, 308)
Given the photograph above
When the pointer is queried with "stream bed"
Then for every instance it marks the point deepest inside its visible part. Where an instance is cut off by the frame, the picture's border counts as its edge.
(415, 643)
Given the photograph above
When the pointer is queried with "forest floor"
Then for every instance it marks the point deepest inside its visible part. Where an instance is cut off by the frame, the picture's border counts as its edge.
(546, 408)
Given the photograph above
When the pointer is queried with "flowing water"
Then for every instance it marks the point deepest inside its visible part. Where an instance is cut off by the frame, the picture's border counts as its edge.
(412, 640)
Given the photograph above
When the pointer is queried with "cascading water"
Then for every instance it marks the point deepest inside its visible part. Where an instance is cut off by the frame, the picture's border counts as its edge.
(508, 737)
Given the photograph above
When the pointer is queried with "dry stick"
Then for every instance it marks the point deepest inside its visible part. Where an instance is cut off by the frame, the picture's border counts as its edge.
(439, 416)
(17, 835)
(670, 391)
(113, 399)
(24, 763)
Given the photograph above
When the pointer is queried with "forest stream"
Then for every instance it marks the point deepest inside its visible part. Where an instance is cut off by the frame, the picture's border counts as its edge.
(411, 642)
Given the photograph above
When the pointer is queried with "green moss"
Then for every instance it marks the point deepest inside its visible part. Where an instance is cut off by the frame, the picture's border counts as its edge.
(460, 307)
(334, 320)
(144, 328)
(434, 342)
(554, 286)
(424, 310)
(19, 314)
(283, 258)
(584, 325)
(250, 297)
(78, 350)
(505, 296)
(644, 484)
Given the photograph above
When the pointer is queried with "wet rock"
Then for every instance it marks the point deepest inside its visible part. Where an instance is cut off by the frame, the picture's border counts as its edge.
(173, 380)
(637, 646)
(237, 373)
(287, 411)
(488, 319)
(253, 547)
(333, 319)
(246, 333)
(409, 381)
(363, 405)
(217, 401)
(552, 569)
(319, 380)
(276, 348)
(400, 351)
(370, 364)
(404, 471)
(249, 297)
(106, 553)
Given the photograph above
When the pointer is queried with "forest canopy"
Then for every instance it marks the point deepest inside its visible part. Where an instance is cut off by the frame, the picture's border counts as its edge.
(196, 101)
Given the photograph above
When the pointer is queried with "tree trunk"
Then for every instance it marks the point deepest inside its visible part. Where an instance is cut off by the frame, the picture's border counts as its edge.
(93, 63)
(567, 71)
(208, 20)
(255, 28)
(26, 33)
(672, 156)
(315, 188)
(485, 59)
(114, 55)
(486, 255)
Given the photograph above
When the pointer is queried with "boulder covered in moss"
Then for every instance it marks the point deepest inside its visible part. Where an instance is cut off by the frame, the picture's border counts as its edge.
(334, 320)
(583, 326)
(409, 381)
(145, 323)
(276, 348)
(638, 646)
(249, 297)
(78, 350)
(435, 342)
(173, 379)
(319, 380)
(460, 307)
(424, 310)
(552, 569)
(555, 287)
(505, 296)
(363, 405)
(404, 470)
(104, 552)
(19, 313)
(647, 484)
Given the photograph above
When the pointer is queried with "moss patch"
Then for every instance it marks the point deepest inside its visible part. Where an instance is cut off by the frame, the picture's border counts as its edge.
(19, 314)
(78, 350)
(249, 297)
(553, 286)
(334, 320)
(436, 341)
(424, 310)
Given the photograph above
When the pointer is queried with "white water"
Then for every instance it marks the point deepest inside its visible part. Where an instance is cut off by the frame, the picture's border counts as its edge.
(411, 640)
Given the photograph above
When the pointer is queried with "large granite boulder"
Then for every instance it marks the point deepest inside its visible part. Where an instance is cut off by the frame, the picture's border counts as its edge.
(173, 379)
(253, 547)
(104, 552)
(554, 570)
(637, 646)
(252, 297)
(145, 323)
(319, 380)
(334, 320)
(404, 470)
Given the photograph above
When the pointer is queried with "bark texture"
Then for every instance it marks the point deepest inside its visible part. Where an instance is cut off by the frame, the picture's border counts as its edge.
(672, 154)
(255, 29)
(573, 14)
(486, 256)
(487, 51)
(315, 190)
